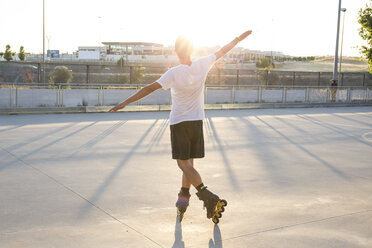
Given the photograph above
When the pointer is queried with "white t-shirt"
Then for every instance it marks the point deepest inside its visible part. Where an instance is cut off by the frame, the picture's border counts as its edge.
(187, 89)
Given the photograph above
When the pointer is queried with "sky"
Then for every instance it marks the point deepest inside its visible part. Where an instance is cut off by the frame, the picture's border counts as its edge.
(294, 27)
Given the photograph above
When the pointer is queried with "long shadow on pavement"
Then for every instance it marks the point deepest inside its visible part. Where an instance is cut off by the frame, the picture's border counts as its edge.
(369, 125)
(33, 152)
(158, 135)
(225, 159)
(320, 160)
(84, 210)
(217, 239)
(11, 128)
(98, 138)
(333, 128)
(38, 137)
(274, 169)
(178, 242)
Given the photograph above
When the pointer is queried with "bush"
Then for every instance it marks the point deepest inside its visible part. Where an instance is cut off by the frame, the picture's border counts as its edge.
(60, 75)
(22, 54)
(8, 54)
(263, 63)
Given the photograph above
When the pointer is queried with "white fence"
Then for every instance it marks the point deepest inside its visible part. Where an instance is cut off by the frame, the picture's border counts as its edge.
(33, 96)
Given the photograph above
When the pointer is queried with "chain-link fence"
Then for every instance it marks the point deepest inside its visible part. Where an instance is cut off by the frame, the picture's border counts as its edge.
(108, 73)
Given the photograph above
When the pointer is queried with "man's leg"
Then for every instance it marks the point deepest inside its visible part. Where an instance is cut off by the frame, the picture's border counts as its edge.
(189, 173)
(184, 195)
(186, 183)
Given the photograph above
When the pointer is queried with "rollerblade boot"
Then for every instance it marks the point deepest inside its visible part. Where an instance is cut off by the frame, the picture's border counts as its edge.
(214, 205)
(182, 204)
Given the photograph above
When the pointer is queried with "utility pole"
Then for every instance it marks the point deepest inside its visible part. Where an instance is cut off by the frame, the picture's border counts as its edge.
(48, 38)
(335, 73)
(342, 37)
(43, 41)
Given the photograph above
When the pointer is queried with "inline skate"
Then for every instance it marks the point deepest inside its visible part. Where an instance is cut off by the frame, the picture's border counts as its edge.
(182, 204)
(214, 205)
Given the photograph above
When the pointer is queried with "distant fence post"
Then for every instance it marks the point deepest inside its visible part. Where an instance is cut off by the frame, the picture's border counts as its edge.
(307, 95)
(16, 97)
(10, 97)
(328, 97)
(99, 96)
(57, 97)
(293, 78)
(233, 94)
(62, 103)
(237, 77)
(318, 78)
(284, 94)
(103, 95)
(259, 94)
(39, 72)
(87, 78)
(130, 74)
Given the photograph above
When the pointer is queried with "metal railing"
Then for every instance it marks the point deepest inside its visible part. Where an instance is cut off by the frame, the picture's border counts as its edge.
(73, 95)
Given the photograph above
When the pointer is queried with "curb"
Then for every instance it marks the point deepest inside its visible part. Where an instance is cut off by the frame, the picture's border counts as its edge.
(152, 108)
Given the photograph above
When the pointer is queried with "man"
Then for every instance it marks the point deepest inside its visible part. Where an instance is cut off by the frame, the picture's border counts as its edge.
(187, 82)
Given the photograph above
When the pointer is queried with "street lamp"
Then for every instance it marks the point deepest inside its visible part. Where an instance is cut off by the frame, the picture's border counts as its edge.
(335, 76)
(43, 81)
(342, 39)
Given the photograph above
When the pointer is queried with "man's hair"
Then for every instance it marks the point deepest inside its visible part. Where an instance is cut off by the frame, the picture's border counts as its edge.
(183, 47)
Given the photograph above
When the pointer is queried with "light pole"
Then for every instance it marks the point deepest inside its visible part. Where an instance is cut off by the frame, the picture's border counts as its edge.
(48, 38)
(43, 42)
(342, 37)
(335, 76)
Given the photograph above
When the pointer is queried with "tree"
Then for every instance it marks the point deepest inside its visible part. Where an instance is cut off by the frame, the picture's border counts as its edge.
(21, 54)
(263, 63)
(60, 75)
(365, 20)
(8, 54)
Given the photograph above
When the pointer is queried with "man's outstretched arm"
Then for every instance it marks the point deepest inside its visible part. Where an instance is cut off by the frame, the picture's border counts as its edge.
(148, 89)
(220, 53)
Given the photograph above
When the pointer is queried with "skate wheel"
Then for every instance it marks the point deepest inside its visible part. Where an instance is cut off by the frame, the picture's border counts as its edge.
(180, 215)
(215, 220)
(218, 215)
(222, 209)
(224, 203)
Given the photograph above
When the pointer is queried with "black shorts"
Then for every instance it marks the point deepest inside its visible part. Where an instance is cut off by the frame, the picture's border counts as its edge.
(187, 140)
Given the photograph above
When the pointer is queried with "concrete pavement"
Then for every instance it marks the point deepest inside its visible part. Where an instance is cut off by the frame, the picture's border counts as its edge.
(292, 177)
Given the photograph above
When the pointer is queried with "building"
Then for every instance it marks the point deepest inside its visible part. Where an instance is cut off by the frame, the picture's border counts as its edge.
(134, 48)
(91, 52)
(148, 52)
